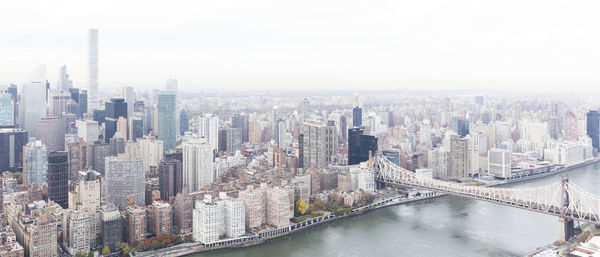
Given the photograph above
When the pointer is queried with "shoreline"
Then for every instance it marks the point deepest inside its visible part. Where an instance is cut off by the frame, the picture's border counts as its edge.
(266, 236)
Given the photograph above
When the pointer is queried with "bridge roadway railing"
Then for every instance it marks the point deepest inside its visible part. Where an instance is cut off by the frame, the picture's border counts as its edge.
(545, 199)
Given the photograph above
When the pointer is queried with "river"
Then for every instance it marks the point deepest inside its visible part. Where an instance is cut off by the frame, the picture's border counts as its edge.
(446, 226)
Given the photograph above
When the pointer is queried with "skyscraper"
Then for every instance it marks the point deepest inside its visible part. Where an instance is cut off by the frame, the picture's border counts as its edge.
(319, 144)
(571, 127)
(184, 122)
(33, 106)
(7, 109)
(57, 102)
(63, 84)
(197, 164)
(114, 109)
(58, 178)
(304, 110)
(35, 163)
(460, 165)
(170, 177)
(593, 127)
(167, 108)
(93, 100)
(356, 117)
(359, 146)
(11, 148)
(124, 177)
(209, 129)
(233, 140)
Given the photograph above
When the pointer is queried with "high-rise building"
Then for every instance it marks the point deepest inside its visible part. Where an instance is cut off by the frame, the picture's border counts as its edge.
(184, 122)
(87, 130)
(304, 110)
(35, 163)
(499, 163)
(124, 177)
(167, 108)
(359, 146)
(51, 131)
(235, 216)
(79, 156)
(197, 164)
(77, 231)
(215, 218)
(393, 155)
(32, 106)
(7, 109)
(254, 131)
(137, 125)
(460, 165)
(439, 161)
(136, 224)
(163, 217)
(209, 129)
(151, 150)
(58, 178)
(357, 116)
(170, 177)
(245, 129)
(182, 211)
(112, 225)
(57, 103)
(571, 127)
(278, 212)
(94, 99)
(233, 140)
(63, 84)
(254, 202)
(593, 127)
(11, 148)
(85, 197)
(319, 144)
(117, 107)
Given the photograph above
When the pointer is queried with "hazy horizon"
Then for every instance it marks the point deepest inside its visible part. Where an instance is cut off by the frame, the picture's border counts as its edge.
(314, 45)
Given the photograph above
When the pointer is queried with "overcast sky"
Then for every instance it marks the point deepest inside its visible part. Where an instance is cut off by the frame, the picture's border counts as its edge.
(222, 44)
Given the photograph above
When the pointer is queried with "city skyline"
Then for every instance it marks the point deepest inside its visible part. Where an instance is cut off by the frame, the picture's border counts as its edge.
(231, 45)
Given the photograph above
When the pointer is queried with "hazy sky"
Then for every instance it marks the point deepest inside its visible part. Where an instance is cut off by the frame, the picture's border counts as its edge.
(537, 45)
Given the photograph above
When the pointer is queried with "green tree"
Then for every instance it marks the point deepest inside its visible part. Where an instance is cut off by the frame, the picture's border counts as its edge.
(301, 207)
(81, 254)
(90, 254)
(98, 239)
(106, 250)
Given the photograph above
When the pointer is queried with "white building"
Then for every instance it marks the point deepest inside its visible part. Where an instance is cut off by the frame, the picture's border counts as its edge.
(77, 235)
(93, 99)
(151, 150)
(208, 220)
(366, 180)
(235, 216)
(439, 162)
(33, 105)
(499, 163)
(208, 128)
(88, 130)
(197, 164)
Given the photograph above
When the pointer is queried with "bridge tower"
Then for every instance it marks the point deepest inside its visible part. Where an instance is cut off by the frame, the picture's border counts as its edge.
(566, 225)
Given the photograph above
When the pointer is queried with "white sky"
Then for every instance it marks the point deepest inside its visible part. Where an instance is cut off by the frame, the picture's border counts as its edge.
(222, 44)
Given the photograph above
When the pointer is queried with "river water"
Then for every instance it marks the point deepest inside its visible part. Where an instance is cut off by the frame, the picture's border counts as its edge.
(446, 226)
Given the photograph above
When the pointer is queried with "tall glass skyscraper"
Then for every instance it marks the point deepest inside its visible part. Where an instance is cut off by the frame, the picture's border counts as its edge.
(357, 116)
(7, 110)
(167, 121)
(593, 127)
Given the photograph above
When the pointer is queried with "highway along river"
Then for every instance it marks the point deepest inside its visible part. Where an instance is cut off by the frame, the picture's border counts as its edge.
(446, 226)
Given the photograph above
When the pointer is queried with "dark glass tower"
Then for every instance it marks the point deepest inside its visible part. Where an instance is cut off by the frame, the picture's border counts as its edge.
(359, 146)
(593, 127)
(11, 149)
(117, 107)
(356, 117)
(170, 177)
(392, 155)
(58, 178)
(184, 122)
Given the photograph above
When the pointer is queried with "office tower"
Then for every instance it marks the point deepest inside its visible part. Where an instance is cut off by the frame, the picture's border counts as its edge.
(87, 130)
(57, 103)
(499, 163)
(233, 140)
(151, 150)
(124, 177)
(439, 161)
(275, 124)
(136, 224)
(359, 146)
(77, 232)
(356, 117)
(254, 202)
(137, 126)
(32, 106)
(197, 164)
(163, 217)
(94, 99)
(254, 131)
(7, 109)
(184, 122)
(116, 145)
(122, 128)
(148, 119)
(167, 107)
(35, 163)
(83, 102)
(98, 152)
(571, 128)
(503, 131)
(127, 94)
(182, 211)
(78, 157)
(460, 165)
(112, 225)
(278, 210)
(209, 129)
(208, 220)
(344, 127)
(281, 134)
(460, 125)
(425, 133)
(236, 120)
(534, 136)
(11, 148)
(114, 109)
(51, 132)
(319, 144)
(64, 83)
(593, 127)
(393, 155)
(554, 127)
(170, 177)
(58, 178)
(245, 129)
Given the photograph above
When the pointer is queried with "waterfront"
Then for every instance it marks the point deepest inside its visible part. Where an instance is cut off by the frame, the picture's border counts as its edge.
(446, 226)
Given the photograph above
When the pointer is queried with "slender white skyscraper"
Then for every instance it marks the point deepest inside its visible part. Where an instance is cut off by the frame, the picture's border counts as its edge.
(209, 129)
(93, 103)
(197, 164)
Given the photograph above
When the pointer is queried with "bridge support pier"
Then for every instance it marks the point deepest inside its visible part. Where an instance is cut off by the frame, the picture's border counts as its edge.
(566, 229)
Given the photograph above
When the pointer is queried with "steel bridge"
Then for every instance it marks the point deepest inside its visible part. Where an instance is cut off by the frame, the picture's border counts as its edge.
(563, 199)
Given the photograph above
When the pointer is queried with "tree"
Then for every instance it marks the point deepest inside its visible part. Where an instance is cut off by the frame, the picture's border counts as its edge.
(90, 254)
(98, 239)
(80, 254)
(301, 207)
(105, 250)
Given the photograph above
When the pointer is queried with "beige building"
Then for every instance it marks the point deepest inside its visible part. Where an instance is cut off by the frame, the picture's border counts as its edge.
(318, 144)
(460, 165)
(254, 201)
(278, 207)
(162, 217)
